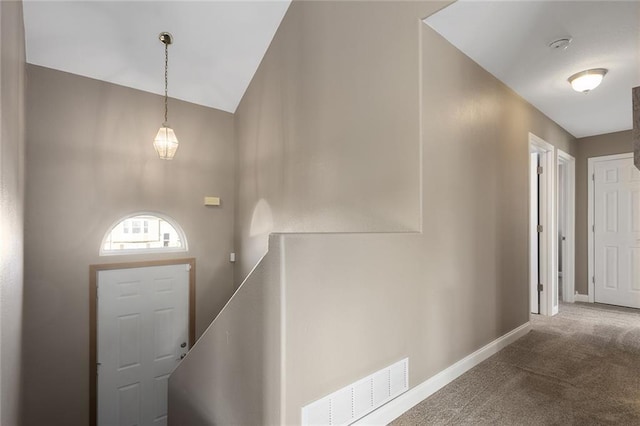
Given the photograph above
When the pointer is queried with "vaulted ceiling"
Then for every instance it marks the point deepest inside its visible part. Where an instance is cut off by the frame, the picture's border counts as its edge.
(219, 44)
(217, 47)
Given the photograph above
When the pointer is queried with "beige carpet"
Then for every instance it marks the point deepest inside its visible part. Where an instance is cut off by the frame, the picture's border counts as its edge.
(581, 367)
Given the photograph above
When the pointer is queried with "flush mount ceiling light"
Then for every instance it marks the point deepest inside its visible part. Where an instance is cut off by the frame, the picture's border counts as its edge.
(588, 80)
(166, 142)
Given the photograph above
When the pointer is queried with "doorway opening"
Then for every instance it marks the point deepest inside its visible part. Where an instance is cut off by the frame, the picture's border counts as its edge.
(543, 277)
(566, 227)
(141, 325)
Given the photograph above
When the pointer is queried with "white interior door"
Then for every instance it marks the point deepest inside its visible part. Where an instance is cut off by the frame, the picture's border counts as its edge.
(543, 247)
(617, 232)
(143, 331)
(534, 236)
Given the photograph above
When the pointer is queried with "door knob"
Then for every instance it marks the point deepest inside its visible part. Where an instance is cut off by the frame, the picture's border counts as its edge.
(183, 345)
(182, 356)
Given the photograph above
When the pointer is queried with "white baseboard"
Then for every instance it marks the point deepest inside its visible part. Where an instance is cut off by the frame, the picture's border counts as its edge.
(395, 408)
(581, 298)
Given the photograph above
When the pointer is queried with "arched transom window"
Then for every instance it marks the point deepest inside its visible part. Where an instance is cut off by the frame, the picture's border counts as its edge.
(144, 233)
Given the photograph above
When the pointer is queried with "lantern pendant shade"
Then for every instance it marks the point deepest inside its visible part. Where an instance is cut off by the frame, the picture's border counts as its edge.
(166, 142)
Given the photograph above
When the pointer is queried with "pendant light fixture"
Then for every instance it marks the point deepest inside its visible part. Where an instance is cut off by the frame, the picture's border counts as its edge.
(166, 143)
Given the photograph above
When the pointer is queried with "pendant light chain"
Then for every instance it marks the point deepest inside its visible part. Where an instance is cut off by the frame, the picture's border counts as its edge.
(166, 81)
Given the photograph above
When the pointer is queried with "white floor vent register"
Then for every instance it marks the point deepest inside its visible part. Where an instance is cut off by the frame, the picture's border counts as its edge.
(352, 402)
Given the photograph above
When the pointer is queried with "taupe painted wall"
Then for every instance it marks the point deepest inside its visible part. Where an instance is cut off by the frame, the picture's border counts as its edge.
(91, 162)
(434, 296)
(327, 131)
(233, 375)
(594, 146)
(12, 146)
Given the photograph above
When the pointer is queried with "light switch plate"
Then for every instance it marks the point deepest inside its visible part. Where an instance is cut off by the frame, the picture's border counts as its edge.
(211, 201)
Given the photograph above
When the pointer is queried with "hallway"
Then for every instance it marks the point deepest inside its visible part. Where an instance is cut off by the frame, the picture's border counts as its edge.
(581, 367)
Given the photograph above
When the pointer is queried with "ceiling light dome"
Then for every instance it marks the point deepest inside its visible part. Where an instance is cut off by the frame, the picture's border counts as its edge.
(588, 80)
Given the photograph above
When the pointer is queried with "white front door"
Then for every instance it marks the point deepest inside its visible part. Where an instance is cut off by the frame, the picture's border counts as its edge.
(143, 331)
(617, 232)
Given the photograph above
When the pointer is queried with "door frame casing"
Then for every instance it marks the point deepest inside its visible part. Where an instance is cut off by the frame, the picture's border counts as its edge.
(569, 260)
(591, 163)
(548, 244)
(93, 316)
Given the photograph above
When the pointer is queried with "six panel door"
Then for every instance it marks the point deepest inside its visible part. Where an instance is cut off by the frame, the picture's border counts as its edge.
(617, 232)
(143, 321)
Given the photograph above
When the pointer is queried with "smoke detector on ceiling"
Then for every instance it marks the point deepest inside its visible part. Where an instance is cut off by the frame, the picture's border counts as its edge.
(561, 43)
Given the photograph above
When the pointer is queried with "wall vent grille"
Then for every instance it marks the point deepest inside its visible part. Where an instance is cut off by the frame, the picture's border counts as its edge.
(355, 401)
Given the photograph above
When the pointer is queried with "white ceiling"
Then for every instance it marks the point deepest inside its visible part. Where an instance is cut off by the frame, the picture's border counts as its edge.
(217, 47)
(510, 40)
